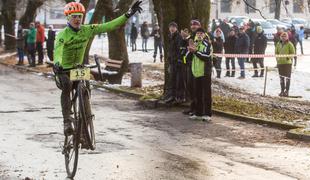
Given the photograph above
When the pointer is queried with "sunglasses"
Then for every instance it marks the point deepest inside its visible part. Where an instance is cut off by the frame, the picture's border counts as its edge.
(74, 16)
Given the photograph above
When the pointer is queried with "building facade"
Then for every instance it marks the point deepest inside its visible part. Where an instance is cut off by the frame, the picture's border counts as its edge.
(221, 9)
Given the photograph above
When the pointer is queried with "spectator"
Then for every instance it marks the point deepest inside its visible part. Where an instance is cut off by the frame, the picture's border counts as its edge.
(301, 36)
(174, 57)
(242, 47)
(50, 42)
(127, 33)
(235, 27)
(225, 28)
(39, 42)
(31, 45)
(230, 49)
(200, 53)
(213, 25)
(195, 25)
(251, 32)
(260, 45)
(145, 35)
(276, 37)
(284, 63)
(157, 43)
(222, 34)
(20, 45)
(184, 67)
(218, 48)
(293, 37)
(133, 37)
(210, 35)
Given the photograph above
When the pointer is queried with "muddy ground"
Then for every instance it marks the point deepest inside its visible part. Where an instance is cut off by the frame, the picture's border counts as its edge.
(136, 143)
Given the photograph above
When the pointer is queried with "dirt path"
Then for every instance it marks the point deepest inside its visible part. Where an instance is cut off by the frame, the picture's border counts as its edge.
(133, 143)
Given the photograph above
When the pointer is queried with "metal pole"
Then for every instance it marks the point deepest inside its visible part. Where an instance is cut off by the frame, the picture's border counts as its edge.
(265, 83)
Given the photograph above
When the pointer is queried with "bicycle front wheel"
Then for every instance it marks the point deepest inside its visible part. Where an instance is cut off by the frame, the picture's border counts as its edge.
(72, 143)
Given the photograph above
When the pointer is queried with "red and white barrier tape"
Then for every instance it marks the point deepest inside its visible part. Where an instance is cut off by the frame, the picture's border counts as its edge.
(258, 55)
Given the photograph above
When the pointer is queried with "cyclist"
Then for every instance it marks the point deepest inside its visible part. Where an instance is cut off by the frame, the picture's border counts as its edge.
(70, 47)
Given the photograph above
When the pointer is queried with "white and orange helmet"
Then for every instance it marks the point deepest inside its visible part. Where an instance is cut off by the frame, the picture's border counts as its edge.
(74, 7)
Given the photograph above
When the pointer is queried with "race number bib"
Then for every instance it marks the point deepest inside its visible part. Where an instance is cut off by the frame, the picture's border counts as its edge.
(80, 74)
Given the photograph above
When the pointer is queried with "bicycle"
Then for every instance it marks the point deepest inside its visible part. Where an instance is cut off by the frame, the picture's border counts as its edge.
(83, 128)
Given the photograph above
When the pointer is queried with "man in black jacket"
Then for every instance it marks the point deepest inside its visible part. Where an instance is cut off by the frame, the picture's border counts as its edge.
(133, 36)
(174, 57)
(50, 43)
(242, 47)
(230, 49)
(260, 45)
(157, 43)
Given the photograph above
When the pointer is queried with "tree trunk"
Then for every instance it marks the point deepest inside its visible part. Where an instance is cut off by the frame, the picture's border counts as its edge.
(1, 23)
(117, 42)
(30, 13)
(180, 11)
(96, 18)
(9, 16)
(278, 9)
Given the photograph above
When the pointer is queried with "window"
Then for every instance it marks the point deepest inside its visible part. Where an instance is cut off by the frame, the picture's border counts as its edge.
(57, 14)
(226, 6)
(249, 9)
(272, 6)
(298, 6)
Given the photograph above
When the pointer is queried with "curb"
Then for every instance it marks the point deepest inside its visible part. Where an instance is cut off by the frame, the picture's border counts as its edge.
(118, 90)
(295, 131)
(299, 133)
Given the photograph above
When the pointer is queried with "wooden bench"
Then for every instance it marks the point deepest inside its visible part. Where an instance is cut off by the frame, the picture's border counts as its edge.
(109, 68)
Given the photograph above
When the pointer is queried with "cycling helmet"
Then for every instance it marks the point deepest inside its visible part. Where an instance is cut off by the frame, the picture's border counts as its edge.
(74, 7)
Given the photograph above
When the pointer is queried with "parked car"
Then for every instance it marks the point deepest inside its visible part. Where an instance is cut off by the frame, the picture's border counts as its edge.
(276, 23)
(269, 30)
(296, 22)
(240, 20)
(307, 29)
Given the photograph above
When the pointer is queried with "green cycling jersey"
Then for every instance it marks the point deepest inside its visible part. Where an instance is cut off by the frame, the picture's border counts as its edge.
(70, 45)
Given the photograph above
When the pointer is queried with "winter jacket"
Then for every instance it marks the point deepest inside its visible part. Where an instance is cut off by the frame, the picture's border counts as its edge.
(145, 32)
(70, 44)
(285, 48)
(134, 32)
(20, 41)
(293, 37)
(31, 36)
(260, 44)
(174, 45)
(183, 50)
(40, 37)
(50, 39)
(156, 35)
(276, 38)
(218, 45)
(225, 28)
(242, 44)
(301, 34)
(229, 45)
(201, 59)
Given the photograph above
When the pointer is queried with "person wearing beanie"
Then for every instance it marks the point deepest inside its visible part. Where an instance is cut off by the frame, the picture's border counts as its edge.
(194, 25)
(260, 45)
(218, 46)
(200, 52)
(284, 64)
(174, 57)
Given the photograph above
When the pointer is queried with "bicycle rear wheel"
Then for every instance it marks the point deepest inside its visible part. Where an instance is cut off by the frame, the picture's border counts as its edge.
(87, 117)
(71, 144)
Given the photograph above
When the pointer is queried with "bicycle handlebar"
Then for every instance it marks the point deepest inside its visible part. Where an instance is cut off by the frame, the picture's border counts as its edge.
(91, 66)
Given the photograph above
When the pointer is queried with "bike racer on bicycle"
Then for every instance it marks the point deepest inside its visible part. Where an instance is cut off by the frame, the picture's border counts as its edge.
(70, 46)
